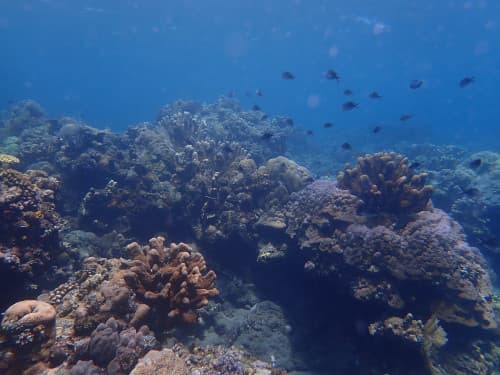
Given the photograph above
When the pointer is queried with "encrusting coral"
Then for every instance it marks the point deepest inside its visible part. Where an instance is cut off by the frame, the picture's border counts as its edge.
(172, 280)
(386, 183)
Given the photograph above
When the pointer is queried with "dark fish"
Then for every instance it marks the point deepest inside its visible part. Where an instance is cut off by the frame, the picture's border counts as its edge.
(377, 129)
(374, 95)
(309, 132)
(416, 83)
(491, 242)
(475, 163)
(287, 75)
(255, 107)
(267, 135)
(264, 117)
(328, 125)
(346, 146)
(289, 121)
(227, 148)
(471, 192)
(258, 92)
(348, 106)
(466, 81)
(414, 165)
(331, 74)
(347, 92)
(405, 117)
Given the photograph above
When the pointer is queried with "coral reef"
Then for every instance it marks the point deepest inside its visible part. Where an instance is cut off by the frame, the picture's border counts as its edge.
(30, 251)
(385, 183)
(430, 250)
(371, 242)
(468, 194)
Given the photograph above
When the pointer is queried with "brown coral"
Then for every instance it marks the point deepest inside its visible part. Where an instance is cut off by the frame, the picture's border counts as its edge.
(28, 313)
(386, 183)
(27, 333)
(173, 279)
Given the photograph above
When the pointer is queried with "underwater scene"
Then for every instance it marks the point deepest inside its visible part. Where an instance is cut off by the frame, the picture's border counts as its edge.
(215, 187)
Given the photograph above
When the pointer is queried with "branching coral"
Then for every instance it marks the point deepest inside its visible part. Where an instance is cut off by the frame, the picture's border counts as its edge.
(386, 183)
(174, 280)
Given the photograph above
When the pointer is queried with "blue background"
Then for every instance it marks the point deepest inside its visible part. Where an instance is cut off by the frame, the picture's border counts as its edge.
(115, 63)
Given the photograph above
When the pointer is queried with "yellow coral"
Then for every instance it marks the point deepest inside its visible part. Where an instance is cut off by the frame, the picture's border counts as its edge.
(8, 159)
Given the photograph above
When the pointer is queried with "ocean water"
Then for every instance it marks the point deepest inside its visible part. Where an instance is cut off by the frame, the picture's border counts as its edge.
(114, 64)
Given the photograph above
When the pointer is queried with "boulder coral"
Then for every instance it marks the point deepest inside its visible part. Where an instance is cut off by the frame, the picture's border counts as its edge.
(27, 332)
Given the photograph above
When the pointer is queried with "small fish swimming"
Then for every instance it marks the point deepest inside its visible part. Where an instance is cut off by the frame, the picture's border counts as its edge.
(349, 106)
(258, 92)
(287, 75)
(414, 165)
(471, 192)
(331, 74)
(328, 125)
(347, 92)
(267, 135)
(374, 95)
(264, 117)
(289, 121)
(466, 81)
(405, 117)
(255, 107)
(476, 163)
(309, 132)
(346, 146)
(416, 83)
(490, 242)
(377, 129)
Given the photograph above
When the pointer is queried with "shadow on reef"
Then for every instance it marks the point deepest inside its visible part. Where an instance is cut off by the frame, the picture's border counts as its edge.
(358, 275)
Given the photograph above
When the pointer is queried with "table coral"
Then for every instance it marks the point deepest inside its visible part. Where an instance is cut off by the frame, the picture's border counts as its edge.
(386, 183)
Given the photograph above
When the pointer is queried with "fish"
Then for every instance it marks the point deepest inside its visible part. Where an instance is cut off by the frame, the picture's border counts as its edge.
(264, 117)
(347, 92)
(258, 92)
(289, 121)
(416, 83)
(287, 75)
(466, 81)
(414, 165)
(405, 117)
(328, 125)
(255, 107)
(267, 135)
(309, 132)
(476, 163)
(374, 95)
(377, 129)
(346, 146)
(331, 75)
(227, 148)
(490, 241)
(471, 192)
(348, 106)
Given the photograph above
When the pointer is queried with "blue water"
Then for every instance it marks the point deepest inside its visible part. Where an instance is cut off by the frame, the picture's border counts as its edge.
(115, 63)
